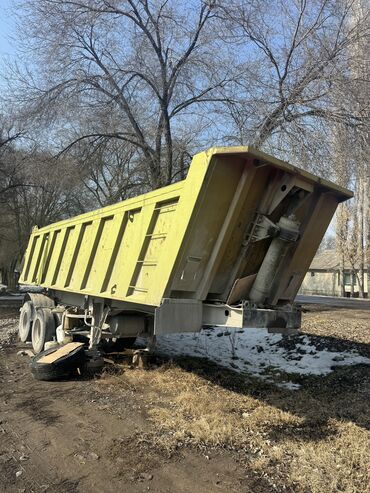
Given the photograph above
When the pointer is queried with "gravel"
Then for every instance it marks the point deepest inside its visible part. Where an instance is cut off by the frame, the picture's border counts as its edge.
(8, 332)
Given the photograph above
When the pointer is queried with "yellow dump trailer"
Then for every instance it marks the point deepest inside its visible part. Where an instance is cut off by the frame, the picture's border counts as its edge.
(229, 245)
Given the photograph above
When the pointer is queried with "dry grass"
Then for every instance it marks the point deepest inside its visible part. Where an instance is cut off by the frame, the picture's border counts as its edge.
(314, 440)
(352, 326)
(288, 439)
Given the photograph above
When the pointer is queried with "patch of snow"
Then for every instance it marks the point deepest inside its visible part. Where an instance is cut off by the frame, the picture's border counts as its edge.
(288, 385)
(254, 351)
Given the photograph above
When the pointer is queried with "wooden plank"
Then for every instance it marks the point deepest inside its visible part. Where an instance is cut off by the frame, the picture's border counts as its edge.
(241, 288)
(59, 353)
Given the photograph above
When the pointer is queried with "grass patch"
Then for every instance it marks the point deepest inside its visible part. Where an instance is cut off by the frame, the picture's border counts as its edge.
(312, 440)
(301, 441)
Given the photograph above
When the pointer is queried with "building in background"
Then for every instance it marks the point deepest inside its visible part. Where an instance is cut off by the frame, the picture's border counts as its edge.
(325, 276)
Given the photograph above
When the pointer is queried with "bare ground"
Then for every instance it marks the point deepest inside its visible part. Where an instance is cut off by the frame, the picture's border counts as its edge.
(188, 425)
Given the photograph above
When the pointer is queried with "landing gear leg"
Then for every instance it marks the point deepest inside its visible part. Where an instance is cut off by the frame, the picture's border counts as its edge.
(151, 343)
(95, 361)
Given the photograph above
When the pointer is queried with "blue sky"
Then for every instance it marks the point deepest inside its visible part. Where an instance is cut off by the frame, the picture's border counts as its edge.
(7, 26)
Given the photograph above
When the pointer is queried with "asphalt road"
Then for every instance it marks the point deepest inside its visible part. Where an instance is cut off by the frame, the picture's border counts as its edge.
(354, 303)
(8, 300)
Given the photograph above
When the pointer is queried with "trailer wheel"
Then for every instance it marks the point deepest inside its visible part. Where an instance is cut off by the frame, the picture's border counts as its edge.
(43, 329)
(61, 368)
(25, 321)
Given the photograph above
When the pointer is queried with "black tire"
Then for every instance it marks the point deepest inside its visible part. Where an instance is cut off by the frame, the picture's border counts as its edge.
(119, 344)
(43, 329)
(26, 316)
(64, 367)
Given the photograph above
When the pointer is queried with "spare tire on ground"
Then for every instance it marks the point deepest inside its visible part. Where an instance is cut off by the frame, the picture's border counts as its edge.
(63, 367)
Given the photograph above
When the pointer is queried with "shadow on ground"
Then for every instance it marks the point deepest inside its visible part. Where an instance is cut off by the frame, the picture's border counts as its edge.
(343, 394)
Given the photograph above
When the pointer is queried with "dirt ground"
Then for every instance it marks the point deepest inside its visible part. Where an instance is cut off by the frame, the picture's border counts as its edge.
(187, 425)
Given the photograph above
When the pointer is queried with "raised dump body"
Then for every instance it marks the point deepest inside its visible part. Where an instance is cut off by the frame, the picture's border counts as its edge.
(229, 245)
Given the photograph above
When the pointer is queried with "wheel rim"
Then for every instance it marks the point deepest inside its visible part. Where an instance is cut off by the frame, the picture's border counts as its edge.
(24, 323)
(36, 335)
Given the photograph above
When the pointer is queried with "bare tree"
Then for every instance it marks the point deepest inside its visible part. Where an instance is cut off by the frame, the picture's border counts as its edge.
(8, 168)
(360, 72)
(109, 171)
(146, 64)
(124, 91)
(42, 192)
(293, 53)
(353, 144)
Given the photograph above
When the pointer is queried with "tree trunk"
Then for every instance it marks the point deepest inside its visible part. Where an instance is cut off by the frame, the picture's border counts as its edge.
(360, 275)
(334, 284)
(10, 278)
(341, 277)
